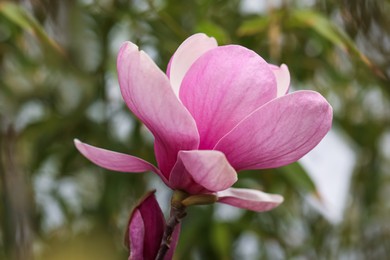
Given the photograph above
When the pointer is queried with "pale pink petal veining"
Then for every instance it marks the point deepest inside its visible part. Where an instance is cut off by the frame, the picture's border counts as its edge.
(200, 171)
(249, 199)
(278, 133)
(147, 92)
(282, 75)
(188, 52)
(222, 87)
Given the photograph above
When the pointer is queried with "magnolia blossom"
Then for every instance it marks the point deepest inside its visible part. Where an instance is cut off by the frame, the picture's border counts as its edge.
(146, 229)
(217, 110)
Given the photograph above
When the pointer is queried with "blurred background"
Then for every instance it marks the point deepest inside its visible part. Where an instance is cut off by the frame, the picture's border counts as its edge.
(58, 82)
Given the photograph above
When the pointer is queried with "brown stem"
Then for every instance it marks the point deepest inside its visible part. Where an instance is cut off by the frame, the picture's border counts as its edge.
(178, 212)
(15, 200)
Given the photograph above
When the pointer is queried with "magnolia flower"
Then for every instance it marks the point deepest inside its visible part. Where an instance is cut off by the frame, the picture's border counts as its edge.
(146, 229)
(216, 111)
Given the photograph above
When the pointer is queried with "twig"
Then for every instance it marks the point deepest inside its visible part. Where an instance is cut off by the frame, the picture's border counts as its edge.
(178, 212)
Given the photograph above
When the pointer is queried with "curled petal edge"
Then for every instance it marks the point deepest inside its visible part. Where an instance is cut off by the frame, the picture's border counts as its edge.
(200, 171)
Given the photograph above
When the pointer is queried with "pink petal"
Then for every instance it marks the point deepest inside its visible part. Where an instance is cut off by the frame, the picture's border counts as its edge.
(136, 236)
(249, 199)
(147, 92)
(222, 87)
(278, 133)
(115, 161)
(188, 52)
(202, 171)
(282, 75)
(146, 229)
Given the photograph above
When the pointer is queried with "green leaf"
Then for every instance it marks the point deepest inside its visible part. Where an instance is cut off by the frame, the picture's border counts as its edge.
(253, 26)
(213, 30)
(297, 176)
(324, 27)
(321, 25)
(17, 15)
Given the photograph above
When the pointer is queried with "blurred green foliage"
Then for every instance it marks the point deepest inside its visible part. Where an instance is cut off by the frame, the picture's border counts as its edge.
(58, 82)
